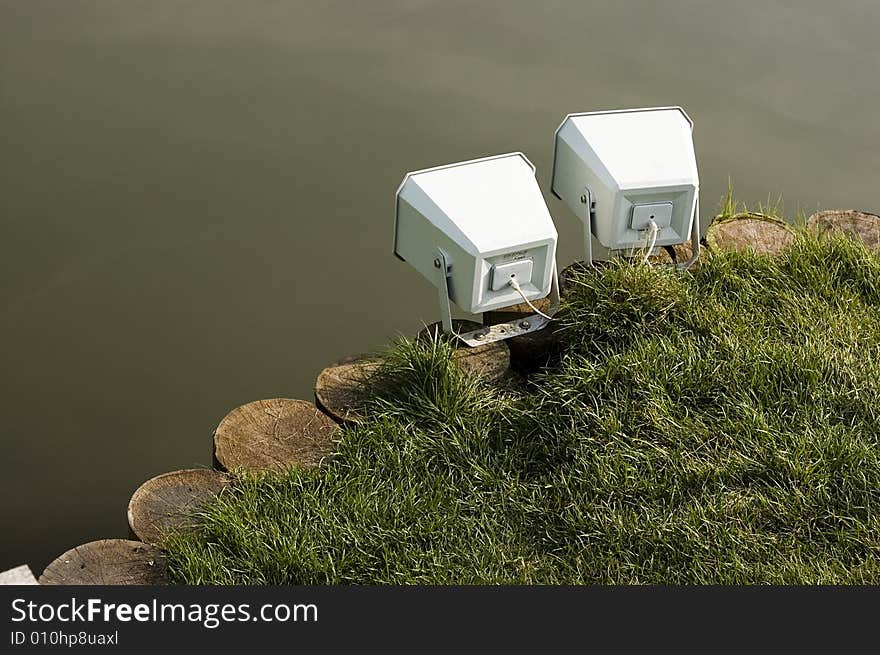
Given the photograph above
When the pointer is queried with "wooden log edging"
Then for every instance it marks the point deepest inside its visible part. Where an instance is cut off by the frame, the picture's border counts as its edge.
(166, 503)
(274, 435)
(340, 390)
(490, 361)
(766, 235)
(20, 575)
(108, 562)
(860, 225)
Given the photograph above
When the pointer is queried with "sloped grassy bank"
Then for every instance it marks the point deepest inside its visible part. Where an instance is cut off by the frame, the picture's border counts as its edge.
(714, 427)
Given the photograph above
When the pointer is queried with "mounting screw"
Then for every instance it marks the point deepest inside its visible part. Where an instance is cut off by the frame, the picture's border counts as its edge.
(524, 325)
(437, 263)
(479, 336)
(584, 199)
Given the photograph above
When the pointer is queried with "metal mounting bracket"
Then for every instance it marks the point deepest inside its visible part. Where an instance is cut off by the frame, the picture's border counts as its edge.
(587, 199)
(695, 237)
(444, 268)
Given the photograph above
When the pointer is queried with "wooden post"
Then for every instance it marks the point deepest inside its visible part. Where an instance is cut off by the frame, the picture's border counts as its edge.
(765, 235)
(108, 562)
(861, 225)
(534, 350)
(340, 390)
(683, 253)
(490, 361)
(274, 435)
(20, 575)
(166, 503)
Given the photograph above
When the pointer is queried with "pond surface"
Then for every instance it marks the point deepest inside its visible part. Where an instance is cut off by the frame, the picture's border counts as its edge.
(197, 196)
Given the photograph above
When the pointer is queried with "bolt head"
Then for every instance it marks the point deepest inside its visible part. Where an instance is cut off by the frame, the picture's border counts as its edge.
(437, 263)
(525, 325)
(584, 199)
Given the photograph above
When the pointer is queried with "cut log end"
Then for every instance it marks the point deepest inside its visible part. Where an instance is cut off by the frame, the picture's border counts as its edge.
(165, 504)
(490, 361)
(763, 234)
(861, 225)
(683, 254)
(274, 435)
(341, 388)
(108, 562)
(20, 575)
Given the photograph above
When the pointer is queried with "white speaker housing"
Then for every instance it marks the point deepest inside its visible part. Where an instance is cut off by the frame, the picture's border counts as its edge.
(489, 219)
(628, 167)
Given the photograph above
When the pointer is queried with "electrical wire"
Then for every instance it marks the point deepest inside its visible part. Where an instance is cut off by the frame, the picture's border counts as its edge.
(519, 290)
(651, 239)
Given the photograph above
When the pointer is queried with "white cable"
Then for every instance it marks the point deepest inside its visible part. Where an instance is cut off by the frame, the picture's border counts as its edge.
(651, 236)
(519, 290)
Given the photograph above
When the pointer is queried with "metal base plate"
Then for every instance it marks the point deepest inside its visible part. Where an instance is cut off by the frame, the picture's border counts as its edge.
(500, 331)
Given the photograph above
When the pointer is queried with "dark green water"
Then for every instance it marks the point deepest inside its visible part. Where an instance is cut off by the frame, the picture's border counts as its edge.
(196, 197)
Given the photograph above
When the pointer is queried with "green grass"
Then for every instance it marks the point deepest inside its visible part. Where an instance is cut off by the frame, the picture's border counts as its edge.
(714, 427)
(729, 208)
